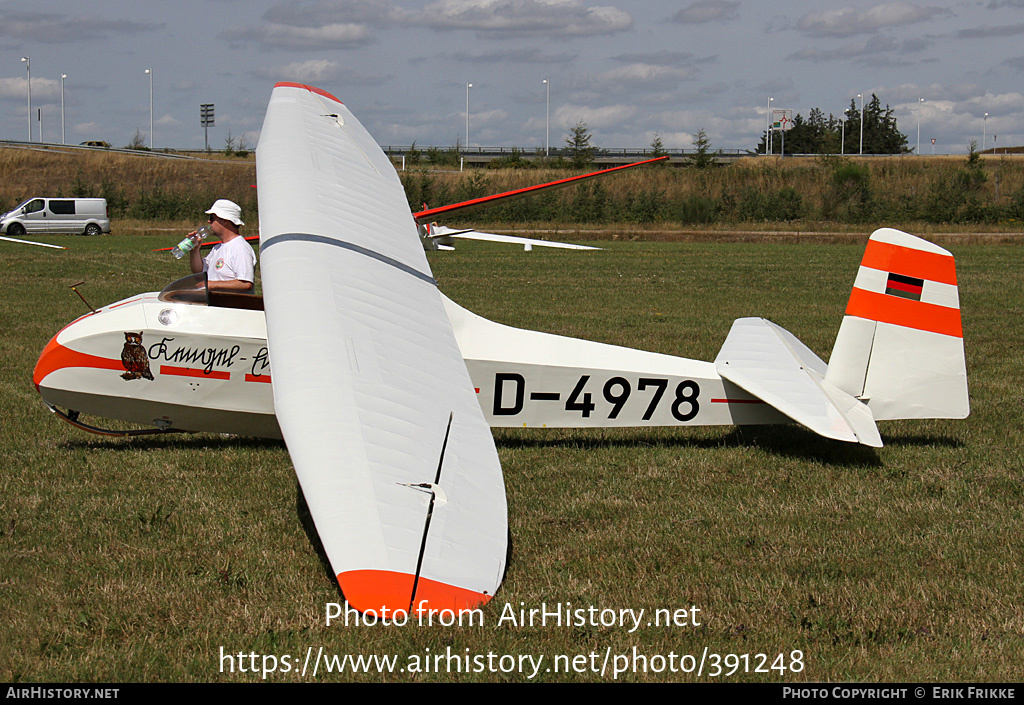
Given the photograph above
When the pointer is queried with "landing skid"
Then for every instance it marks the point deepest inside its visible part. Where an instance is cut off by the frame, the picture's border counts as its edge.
(72, 418)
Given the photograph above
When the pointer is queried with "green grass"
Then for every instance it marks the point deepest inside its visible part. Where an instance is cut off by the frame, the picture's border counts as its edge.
(137, 560)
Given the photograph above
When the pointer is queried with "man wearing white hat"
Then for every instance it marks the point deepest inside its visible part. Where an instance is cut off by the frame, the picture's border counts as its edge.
(230, 265)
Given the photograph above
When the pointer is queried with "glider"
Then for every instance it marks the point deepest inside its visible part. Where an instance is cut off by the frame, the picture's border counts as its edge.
(29, 242)
(383, 389)
(440, 237)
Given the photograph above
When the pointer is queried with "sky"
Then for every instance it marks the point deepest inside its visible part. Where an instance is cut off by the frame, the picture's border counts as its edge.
(629, 70)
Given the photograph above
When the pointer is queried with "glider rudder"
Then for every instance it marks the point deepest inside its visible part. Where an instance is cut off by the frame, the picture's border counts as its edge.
(900, 347)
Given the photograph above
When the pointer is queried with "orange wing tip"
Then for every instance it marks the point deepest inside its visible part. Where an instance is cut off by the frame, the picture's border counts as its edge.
(311, 89)
(382, 593)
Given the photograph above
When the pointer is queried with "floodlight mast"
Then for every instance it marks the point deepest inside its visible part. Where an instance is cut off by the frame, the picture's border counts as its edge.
(63, 76)
(207, 121)
(28, 68)
(150, 72)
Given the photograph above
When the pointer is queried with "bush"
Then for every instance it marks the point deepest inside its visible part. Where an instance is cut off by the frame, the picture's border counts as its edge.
(699, 210)
(849, 199)
(782, 205)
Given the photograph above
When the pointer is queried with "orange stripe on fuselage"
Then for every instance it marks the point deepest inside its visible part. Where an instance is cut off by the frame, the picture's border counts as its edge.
(373, 591)
(909, 262)
(193, 372)
(56, 357)
(905, 312)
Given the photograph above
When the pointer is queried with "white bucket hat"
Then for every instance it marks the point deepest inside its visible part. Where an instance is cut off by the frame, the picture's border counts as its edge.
(228, 210)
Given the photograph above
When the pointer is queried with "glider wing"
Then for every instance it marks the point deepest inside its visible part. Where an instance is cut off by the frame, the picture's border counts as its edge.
(396, 462)
(428, 214)
(441, 232)
(29, 242)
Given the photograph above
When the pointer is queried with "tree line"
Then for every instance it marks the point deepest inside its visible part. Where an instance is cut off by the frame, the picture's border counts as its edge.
(817, 134)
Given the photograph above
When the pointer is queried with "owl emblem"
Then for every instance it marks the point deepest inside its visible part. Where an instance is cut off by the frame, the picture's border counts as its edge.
(134, 358)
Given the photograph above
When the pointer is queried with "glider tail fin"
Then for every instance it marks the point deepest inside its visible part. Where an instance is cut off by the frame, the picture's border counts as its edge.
(900, 347)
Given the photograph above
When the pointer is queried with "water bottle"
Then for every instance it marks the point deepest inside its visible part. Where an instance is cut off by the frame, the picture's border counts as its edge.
(183, 247)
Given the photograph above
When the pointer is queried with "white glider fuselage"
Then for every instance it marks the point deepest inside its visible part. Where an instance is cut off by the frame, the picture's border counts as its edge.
(209, 370)
(899, 354)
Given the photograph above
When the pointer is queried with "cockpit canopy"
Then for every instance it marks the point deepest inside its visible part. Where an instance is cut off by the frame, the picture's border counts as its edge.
(193, 290)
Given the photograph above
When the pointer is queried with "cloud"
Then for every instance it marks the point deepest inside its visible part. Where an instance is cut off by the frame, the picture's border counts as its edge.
(665, 58)
(316, 14)
(871, 47)
(282, 36)
(522, 55)
(17, 89)
(87, 128)
(707, 11)
(632, 74)
(298, 25)
(61, 29)
(319, 71)
(558, 18)
(607, 116)
(167, 121)
(1008, 30)
(849, 21)
(312, 71)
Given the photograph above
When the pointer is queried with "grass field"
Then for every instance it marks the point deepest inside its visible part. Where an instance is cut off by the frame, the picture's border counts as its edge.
(138, 560)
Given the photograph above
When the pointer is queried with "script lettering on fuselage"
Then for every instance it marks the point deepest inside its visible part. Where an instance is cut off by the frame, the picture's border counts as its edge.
(207, 358)
(260, 363)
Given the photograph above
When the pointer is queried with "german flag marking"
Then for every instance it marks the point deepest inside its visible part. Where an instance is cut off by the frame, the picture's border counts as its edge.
(904, 287)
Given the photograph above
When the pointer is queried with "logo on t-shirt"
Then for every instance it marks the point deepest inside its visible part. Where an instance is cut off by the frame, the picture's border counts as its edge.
(220, 264)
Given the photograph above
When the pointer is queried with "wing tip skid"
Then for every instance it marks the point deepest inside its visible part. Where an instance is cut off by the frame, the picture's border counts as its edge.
(311, 89)
(385, 592)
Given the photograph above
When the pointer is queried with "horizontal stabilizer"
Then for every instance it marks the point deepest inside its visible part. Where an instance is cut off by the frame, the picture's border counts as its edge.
(773, 365)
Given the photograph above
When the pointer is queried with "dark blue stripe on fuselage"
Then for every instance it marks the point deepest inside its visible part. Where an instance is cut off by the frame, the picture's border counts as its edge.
(324, 240)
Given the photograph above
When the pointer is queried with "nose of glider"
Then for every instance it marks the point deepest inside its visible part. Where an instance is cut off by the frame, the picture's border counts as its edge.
(58, 356)
(50, 360)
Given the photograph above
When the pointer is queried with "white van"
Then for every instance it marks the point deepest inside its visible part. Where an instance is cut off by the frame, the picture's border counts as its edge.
(87, 216)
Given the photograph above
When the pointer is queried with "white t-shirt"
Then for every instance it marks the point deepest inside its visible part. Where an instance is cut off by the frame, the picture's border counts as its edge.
(231, 260)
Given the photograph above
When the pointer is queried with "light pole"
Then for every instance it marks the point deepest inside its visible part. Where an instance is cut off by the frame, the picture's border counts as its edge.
(28, 67)
(768, 128)
(468, 86)
(984, 134)
(150, 72)
(861, 124)
(842, 138)
(62, 77)
(547, 119)
(919, 101)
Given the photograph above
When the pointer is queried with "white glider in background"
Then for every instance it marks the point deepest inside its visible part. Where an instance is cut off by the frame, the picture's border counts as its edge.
(437, 237)
(29, 242)
(383, 389)
(441, 237)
